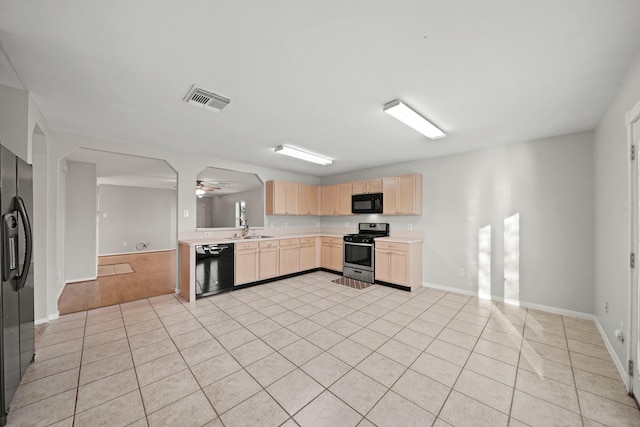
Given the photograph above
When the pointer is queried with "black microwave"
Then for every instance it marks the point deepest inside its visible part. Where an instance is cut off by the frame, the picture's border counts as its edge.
(366, 203)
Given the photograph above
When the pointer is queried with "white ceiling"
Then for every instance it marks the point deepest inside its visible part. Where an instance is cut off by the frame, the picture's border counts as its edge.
(315, 74)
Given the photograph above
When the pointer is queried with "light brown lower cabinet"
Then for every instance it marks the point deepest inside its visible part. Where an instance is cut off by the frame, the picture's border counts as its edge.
(268, 260)
(399, 263)
(246, 262)
(308, 253)
(332, 253)
(288, 252)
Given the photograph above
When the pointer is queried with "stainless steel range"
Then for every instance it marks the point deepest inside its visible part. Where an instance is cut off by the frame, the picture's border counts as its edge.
(359, 251)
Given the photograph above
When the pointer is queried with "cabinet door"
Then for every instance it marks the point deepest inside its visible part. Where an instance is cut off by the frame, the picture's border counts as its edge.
(314, 200)
(325, 255)
(307, 257)
(374, 186)
(289, 260)
(409, 194)
(390, 195)
(329, 199)
(337, 263)
(279, 198)
(246, 266)
(304, 202)
(359, 187)
(268, 262)
(344, 199)
(398, 266)
(382, 266)
(291, 198)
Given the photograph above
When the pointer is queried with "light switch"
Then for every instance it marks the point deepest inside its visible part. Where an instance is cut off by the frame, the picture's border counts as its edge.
(186, 213)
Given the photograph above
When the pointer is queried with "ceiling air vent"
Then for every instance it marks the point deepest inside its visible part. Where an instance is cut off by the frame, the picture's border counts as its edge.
(206, 99)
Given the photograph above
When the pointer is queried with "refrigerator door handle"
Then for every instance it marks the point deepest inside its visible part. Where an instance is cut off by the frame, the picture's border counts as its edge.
(21, 279)
(9, 246)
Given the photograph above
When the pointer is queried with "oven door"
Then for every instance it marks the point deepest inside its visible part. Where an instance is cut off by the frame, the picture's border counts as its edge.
(358, 261)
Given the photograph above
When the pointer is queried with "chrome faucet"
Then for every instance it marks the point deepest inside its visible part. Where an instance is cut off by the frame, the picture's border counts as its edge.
(245, 228)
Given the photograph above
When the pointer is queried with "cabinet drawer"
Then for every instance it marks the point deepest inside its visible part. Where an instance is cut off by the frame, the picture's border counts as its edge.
(269, 244)
(289, 242)
(246, 245)
(392, 246)
(307, 240)
(332, 240)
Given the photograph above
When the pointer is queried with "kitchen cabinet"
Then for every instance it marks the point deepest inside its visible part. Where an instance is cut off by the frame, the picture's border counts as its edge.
(399, 263)
(336, 199)
(268, 259)
(289, 257)
(281, 198)
(308, 258)
(246, 262)
(308, 199)
(332, 253)
(369, 186)
(402, 195)
(329, 200)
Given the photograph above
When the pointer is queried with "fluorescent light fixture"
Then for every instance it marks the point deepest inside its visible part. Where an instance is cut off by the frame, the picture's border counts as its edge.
(303, 155)
(410, 118)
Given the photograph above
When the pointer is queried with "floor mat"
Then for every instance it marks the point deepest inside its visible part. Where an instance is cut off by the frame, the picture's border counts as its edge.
(113, 269)
(352, 283)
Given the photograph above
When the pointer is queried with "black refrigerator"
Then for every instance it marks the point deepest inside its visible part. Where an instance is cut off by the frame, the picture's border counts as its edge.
(17, 343)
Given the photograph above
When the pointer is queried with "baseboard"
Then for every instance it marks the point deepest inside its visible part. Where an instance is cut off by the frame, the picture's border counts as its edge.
(622, 370)
(40, 321)
(137, 252)
(614, 356)
(82, 279)
(54, 316)
(526, 304)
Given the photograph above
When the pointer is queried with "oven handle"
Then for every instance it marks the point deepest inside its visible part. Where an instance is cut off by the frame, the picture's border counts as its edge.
(358, 244)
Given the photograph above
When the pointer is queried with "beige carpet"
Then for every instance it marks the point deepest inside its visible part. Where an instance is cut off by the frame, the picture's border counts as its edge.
(113, 269)
(352, 283)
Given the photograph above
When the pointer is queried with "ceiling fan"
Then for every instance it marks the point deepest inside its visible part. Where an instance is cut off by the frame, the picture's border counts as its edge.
(202, 188)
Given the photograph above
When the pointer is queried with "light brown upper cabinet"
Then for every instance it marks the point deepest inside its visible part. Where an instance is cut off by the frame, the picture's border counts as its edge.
(364, 187)
(336, 199)
(344, 199)
(402, 195)
(329, 200)
(282, 198)
(308, 199)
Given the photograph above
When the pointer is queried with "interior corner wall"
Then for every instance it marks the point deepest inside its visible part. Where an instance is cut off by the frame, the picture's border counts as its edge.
(612, 232)
(14, 119)
(80, 252)
(132, 215)
(548, 183)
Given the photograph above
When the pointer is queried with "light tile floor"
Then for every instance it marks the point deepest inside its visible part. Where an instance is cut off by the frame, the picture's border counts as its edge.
(305, 351)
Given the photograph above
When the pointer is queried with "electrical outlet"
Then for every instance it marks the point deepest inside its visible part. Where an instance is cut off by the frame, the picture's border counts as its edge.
(410, 226)
(207, 234)
(124, 244)
(461, 272)
(606, 306)
(346, 224)
(104, 214)
(186, 213)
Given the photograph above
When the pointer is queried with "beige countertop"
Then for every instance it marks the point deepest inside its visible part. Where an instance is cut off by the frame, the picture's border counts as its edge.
(208, 240)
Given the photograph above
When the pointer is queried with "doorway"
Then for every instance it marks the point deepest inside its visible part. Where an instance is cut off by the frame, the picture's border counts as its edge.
(121, 218)
(633, 132)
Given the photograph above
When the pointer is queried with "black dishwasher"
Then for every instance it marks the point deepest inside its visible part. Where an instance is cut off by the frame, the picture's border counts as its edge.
(214, 269)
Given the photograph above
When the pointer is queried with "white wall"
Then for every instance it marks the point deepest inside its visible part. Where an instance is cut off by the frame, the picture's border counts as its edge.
(547, 182)
(14, 121)
(612, 231)
(220, 211)
(80, 258)
(135, 215)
